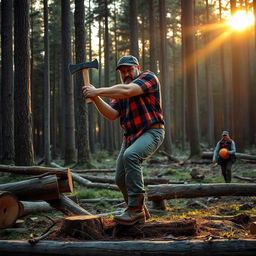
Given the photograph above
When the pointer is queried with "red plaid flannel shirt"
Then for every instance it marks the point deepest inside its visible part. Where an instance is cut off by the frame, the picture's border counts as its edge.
(138, 113)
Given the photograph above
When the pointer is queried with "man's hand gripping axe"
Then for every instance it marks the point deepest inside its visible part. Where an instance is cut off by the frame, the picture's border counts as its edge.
(73, 68)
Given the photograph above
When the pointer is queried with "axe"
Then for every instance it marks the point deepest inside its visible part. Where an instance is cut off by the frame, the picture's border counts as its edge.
(73, 68)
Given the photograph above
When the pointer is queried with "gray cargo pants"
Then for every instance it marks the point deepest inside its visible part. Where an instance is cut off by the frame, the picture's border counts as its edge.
(129, 175)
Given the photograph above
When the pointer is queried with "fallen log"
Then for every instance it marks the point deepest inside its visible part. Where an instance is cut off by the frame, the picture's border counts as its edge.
(245, 178)
(65, 182)
(171, 158)
(89, 184)
(105, 179)
(43, 188)
(33, 207)
(94, 170)
(9, 209)
(160, 192)
(97, 200)
(209, 155)
(246, 247)
(67, 206)
(35, 170)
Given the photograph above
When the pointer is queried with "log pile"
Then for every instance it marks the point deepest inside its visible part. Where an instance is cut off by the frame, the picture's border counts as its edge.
(46, 188)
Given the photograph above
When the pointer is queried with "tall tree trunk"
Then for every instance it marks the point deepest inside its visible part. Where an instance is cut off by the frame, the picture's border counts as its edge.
(70, 152)
(134, 38)
(208, 80)
(165, 81)
(83, 152)
(24, 154)
(109, 137)
(225, 85)
(239, 93)
(91, 110)
(187, 8)
(152, 37)
(47, 151)
(7, 83)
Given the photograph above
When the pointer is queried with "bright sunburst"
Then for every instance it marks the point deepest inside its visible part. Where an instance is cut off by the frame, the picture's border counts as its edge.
(241, 20)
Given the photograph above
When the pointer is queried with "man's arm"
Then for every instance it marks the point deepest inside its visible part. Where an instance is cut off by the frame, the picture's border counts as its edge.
(105, 109)
(119, 91)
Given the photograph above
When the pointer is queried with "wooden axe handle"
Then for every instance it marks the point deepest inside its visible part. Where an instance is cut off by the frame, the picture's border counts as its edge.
(86, 79)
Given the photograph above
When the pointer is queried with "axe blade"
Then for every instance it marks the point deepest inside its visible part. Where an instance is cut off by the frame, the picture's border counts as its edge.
(73, 68)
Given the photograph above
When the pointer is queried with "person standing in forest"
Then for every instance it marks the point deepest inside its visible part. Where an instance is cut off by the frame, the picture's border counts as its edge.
(224, 155)
(137, 102)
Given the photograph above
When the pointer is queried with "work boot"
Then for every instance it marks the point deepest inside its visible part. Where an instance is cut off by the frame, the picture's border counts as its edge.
(131, 216)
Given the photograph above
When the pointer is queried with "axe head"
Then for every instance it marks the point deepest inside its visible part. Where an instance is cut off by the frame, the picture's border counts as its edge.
(73, 68)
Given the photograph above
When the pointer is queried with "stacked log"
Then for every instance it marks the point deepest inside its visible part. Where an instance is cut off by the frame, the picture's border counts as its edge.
(9, 209)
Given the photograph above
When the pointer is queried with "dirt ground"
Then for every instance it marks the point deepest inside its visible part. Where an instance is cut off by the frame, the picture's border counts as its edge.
(199, 218)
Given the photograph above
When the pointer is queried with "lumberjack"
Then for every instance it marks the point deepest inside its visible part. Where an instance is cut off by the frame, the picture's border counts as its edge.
(137, 102)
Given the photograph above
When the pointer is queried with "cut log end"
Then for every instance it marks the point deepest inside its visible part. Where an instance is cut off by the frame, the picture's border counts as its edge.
(9, 209)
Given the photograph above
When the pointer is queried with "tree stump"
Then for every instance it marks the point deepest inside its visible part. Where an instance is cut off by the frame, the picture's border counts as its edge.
(83, 227)
(9, 209)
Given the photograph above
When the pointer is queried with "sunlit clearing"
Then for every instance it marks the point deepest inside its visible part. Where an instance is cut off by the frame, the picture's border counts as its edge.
(241, 20)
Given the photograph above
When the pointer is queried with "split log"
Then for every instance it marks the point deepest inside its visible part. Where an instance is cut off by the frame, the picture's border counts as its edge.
(209, 155)
(89, 184)
(67, 206)
(43, 188)
(160, 192)
(245, 247)
(105, 179)
(65, 182)
(9, 209)
(83, 227)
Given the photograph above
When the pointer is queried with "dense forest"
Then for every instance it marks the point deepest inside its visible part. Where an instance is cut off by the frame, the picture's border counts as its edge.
(203, 52)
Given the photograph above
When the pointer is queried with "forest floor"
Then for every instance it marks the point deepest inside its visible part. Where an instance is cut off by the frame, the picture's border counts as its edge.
(215, 217)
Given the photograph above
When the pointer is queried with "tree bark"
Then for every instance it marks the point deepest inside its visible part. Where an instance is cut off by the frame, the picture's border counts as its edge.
(81, 108)
(161, 192)
(7, 89)
(68, 104)
(187, 10)
(24, 152)
(34, 207)
(227, 247)
(47, 88)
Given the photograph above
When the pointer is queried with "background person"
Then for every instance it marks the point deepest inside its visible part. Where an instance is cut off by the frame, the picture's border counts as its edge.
(224, 155)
